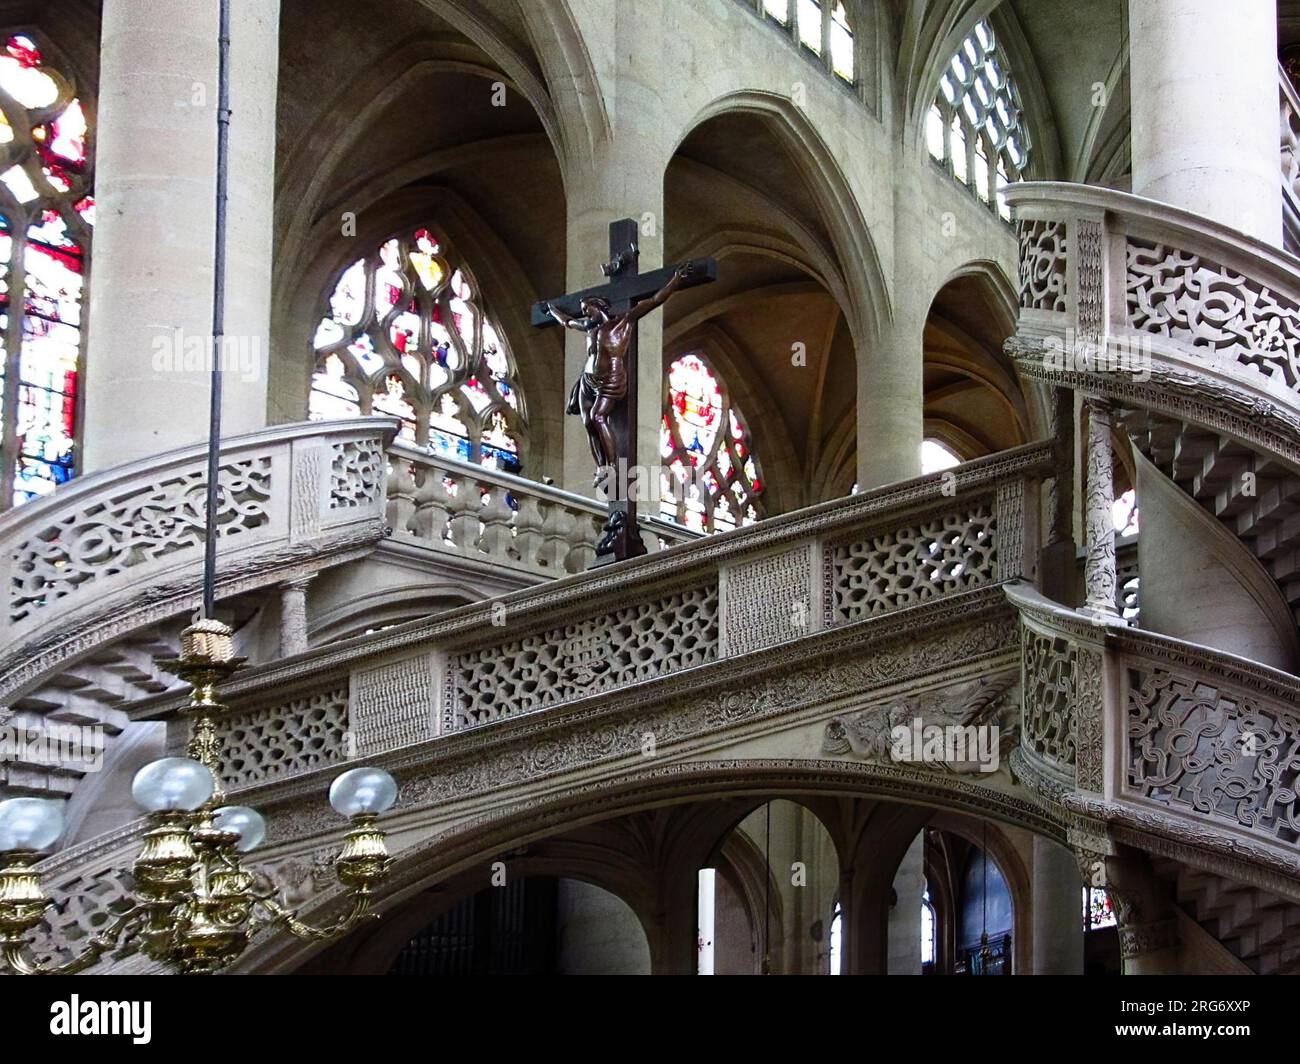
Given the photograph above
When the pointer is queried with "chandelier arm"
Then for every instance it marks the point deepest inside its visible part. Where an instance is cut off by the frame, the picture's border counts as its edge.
(288, 919)
(98, 945)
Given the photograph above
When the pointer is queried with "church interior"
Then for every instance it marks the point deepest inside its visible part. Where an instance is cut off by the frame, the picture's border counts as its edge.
(628, 487)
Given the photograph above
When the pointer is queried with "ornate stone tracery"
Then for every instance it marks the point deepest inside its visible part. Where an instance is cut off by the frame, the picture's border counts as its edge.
(1043, 257)
(1190, 298)
(107, 537)
(1050, 680)
(268, 743)
(627, 646)
(1215, 751)
(946, 553)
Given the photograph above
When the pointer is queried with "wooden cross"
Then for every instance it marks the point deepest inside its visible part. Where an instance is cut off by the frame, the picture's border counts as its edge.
(625, 289)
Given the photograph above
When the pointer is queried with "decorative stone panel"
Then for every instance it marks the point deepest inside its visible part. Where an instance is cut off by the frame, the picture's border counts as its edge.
(1042, 265)
(1214, 750)
(393, 704)
(301, 735)
(356, 473)
(1049, 680)
(768, 601)
(109, 536)
(938, 556)
(1189, 298)
(626, 646)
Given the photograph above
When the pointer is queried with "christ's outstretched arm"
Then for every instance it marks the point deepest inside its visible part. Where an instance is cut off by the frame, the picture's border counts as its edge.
(567, 320)
(661, 297)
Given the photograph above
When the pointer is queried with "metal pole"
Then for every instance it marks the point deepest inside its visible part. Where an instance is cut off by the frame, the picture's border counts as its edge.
(218, 314)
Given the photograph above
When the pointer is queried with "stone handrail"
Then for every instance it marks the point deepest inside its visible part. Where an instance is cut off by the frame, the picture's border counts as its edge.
(121, 549)
(510, 522)
(1154, 306)
(938, 543)
(1144, 736)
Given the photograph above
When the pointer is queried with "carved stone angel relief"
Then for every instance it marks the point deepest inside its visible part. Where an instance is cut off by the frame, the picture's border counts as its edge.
(964, 728)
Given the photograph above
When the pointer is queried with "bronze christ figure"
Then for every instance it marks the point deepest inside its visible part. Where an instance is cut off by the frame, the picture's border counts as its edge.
(604, 395)
(603, 383)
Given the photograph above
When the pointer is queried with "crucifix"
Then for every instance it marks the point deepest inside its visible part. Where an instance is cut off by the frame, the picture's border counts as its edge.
(605, 396)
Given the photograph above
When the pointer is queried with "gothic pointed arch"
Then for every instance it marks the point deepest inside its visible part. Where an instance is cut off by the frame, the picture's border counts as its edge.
(848, 242)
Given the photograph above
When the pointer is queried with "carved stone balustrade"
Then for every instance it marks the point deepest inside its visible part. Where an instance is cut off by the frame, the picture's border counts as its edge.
(1176, 749)
(122, 549)
(931, 551)
(1151, 306)
(506, 521)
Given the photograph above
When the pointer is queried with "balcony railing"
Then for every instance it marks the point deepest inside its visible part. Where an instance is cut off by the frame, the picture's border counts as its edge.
(507, 521)
(1150, 735)
(122, 549)
(603, 637)
(1153, 306)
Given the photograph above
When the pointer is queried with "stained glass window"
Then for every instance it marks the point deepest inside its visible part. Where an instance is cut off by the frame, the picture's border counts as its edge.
(1097, 909)
(403, 334)
(710, 480)
(46, 217)
(976, 124)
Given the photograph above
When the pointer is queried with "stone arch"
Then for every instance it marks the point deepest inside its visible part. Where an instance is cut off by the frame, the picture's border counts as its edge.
(970, 315)
(373, 951)
(1009, 862)
(722, 792)
(851, 241)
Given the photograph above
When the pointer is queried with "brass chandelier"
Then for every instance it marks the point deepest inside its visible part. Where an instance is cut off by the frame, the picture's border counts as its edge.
(195, 907)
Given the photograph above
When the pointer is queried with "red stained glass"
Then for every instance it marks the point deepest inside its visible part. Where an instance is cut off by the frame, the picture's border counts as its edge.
(25, 51)
(701, 431)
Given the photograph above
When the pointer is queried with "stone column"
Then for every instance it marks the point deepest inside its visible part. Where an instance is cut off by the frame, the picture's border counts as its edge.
(905, 914)
(1148, 928)
(890, 367)
(293, 617)
(891, 406)
(1058, 561)
(1057, 911)
(1099, 569)
(1204, 109)
(150, 309)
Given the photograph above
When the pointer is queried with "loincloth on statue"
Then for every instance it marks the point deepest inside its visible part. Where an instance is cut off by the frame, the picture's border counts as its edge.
(592, 386)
